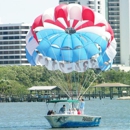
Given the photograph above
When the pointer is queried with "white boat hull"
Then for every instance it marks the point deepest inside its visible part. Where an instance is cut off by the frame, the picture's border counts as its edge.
(71, 121)
(124, 98)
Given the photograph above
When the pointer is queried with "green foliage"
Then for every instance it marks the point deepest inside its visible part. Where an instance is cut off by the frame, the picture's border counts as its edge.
(14, 80)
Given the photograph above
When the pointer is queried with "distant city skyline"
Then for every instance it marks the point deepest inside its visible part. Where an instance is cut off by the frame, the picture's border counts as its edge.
(18, 11)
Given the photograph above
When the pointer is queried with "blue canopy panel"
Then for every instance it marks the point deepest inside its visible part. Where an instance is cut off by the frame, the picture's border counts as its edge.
(61, 46)
(74, 55)
(43, 47)
(104, 62)
(67, 55)
(106, 67)
(58, 41)
(89, 36)
(54, 53)
(47, 33)
(48, 41)
(76, 41)
(91, 50)
(79, 54)
(103, 43)
(31, 58)
(93, 38)
(105, 57)
(67, 43)
(100, 61)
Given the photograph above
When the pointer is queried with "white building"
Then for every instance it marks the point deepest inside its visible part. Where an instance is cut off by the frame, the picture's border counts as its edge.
(125, 32)
(12, 44)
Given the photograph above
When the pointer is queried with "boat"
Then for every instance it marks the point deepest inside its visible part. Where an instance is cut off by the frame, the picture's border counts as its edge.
(124, 98)
(69, 120)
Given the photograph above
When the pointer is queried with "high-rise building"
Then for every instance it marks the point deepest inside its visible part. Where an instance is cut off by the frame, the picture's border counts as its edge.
(124, 32)
(12, 44)
(113, 11)
(68, 1)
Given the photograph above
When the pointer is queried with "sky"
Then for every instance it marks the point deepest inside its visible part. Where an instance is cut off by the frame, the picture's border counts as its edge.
(23, 11)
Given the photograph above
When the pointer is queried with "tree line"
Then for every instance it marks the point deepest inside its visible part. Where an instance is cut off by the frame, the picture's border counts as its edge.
(15, 80)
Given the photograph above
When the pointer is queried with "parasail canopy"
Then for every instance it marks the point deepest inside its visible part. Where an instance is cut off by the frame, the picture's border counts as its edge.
(71, 38)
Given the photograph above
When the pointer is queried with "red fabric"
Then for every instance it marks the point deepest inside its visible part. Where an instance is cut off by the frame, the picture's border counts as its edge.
(86, 24)
(88, 14)
(61, 12)
(57, 23)
(78, 112)
(37, 22)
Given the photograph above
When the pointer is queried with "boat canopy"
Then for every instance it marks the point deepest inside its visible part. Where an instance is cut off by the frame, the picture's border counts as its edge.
(56, 101)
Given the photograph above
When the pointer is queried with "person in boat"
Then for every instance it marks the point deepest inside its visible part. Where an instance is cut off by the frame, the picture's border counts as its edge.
(82, 105)
(78, 112)
(74, 111)
(50, 112)
(70, 111)
(62, 110)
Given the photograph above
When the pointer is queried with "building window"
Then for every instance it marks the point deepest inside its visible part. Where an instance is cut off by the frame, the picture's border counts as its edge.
(16, 37)
(5, 32)
(17, 57)
(98, 7)
(25, 27)
(16, 27)
(22, 52)
(17, 62)
(1, 62)
(5, 47)
(11, 57)
(22, 47)
(1, 57)
(98, 2)
(5, 38)
(5, 28)
(11, 62)
(17, 47)
(23, 57)
(25, 62)
(5, 57)
(11, 47)
(11, 37)
(91, 2)
(10, 42)
(11, 52)
(10, 28)
(5, 52)
(17, 52)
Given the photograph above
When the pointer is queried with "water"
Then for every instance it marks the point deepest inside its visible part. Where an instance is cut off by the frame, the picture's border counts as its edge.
(30, 115)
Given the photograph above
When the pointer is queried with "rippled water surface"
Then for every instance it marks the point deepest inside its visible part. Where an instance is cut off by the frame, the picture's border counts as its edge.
(30, 115)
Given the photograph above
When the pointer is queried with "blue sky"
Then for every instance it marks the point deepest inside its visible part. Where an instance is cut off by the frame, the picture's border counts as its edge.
(18, 11)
